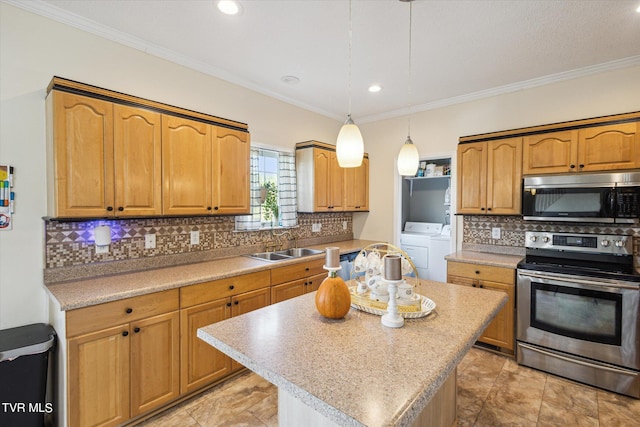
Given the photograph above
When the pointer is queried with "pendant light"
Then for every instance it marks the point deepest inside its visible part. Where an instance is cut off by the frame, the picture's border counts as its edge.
(408, 158)
(349, 145)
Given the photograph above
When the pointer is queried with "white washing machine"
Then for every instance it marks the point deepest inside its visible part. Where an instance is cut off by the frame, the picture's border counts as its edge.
(415, 240)
(439, 247)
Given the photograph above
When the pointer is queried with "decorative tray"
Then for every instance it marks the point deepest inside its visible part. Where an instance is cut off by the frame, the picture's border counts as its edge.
(364, 303)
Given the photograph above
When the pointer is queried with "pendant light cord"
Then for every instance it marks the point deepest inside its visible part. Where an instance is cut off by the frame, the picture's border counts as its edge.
(409, 85)
(350, 43)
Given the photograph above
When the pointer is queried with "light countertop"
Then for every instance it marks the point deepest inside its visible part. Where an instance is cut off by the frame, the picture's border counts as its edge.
(496, 260)
(354, 370)
(81, 293)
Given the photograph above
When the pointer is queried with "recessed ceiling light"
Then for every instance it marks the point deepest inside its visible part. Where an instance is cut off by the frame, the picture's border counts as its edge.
(291, 80)
(229, 7)
(375, 88)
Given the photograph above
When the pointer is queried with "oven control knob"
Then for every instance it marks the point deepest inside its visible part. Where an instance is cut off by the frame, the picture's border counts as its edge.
(534, 238)
(619, 243)
(546, 239)
(605, 243)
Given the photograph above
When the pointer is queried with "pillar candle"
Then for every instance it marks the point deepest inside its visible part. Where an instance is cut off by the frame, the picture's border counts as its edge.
(333, 258)
(392, 267)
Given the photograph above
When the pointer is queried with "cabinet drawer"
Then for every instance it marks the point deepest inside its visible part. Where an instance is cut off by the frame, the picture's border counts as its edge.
(89, 319)
(296, 271)
(223, 288)
(481, 272)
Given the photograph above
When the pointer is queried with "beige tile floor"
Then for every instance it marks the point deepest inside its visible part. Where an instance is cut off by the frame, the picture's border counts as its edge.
(492, 391)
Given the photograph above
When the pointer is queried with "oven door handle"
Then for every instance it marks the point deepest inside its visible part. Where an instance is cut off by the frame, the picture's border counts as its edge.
(580, 281)
(579, 362)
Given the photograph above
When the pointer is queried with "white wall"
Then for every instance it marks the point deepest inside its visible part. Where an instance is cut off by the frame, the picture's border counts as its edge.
(32, 50)
(436, 132)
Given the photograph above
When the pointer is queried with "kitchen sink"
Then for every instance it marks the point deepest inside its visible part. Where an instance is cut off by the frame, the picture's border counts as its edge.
(285, 254)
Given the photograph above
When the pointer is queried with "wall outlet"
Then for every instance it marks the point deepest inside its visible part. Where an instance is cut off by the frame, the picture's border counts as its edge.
(149, 241)
(495, 232)
(195, 237)
(102, 249)
(315, 228)
(344, 225)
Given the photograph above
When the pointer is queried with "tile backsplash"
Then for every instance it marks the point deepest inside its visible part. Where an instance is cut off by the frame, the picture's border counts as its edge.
(69, 245)
(476, 232)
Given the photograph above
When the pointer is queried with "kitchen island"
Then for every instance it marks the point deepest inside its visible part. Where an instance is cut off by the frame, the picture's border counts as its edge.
(354, 371)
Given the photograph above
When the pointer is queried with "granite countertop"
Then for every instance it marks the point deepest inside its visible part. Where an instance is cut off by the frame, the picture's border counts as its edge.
(81, 293)
(355, 371)
(495, 260)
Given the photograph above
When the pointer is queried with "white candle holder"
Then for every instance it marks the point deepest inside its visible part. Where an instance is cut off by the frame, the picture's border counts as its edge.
(392, 319)
(332, 270)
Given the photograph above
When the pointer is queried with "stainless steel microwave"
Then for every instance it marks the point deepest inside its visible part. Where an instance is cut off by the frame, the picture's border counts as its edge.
(598, 197)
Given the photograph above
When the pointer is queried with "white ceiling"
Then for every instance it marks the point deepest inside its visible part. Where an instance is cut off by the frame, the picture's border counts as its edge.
(462, 49)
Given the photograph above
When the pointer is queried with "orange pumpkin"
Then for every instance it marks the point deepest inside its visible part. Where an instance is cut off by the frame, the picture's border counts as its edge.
(333, 299)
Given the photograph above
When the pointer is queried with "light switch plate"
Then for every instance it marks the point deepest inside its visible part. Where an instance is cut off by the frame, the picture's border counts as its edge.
(195, 237)
(495, 232)
(315, 228)
(344, 225)
(149, 241)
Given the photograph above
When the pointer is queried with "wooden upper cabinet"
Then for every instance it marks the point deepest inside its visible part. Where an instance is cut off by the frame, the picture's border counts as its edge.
(356, 187)
(550, 153)
(186, 166)
(490, 177)
(591, 149)
(609, 147)
(472, 178)
(231, 172)
(80, 150)
(137, 160)
(504, 176)
(323, 186)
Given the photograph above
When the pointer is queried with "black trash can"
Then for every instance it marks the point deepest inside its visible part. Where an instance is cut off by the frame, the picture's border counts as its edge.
(24, 363)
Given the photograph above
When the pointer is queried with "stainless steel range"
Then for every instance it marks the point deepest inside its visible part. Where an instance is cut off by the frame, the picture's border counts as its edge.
(577, 309)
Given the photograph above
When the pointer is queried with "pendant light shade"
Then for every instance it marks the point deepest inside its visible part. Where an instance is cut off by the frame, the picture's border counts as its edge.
(350, 146)
(408, 159)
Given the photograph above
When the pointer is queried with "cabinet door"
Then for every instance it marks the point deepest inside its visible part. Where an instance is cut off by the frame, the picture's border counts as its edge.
(609, 147)
(550, 153)
(288, 290)
(186, 166)
(356, 187)
(231, 172)
(314, 282)
(83, 149)
(500, 331)
(137, 161)
(201, 364)
(98, 388)
(472, 164)
(504, 176)
(336, 184)
(155, 362)
(322, 170)
(244, 303)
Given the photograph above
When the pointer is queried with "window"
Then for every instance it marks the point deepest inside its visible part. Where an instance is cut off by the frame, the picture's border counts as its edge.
(273, 191)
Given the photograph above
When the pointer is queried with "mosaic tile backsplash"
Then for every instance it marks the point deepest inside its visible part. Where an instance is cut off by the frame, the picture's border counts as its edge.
(71, 243)
(476, 232)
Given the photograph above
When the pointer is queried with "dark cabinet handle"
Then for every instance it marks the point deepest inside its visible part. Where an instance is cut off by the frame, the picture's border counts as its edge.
(129, 310)
(581, 166)
(125, 333)
(482, 286)
(228, 304)
(215, 208)
(306, 269)
(231, 287)
(488, 209)
(208, 208)
(477, 271)
(237, 302)
(572, 166)
(120, 208)
(136, 330)
(473, 284)
(481, 209)
(109, 208)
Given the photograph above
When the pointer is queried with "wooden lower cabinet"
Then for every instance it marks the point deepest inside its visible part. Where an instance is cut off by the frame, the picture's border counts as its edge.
(501, 331)
(121, 371)
(295, 288)
(210, 302)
